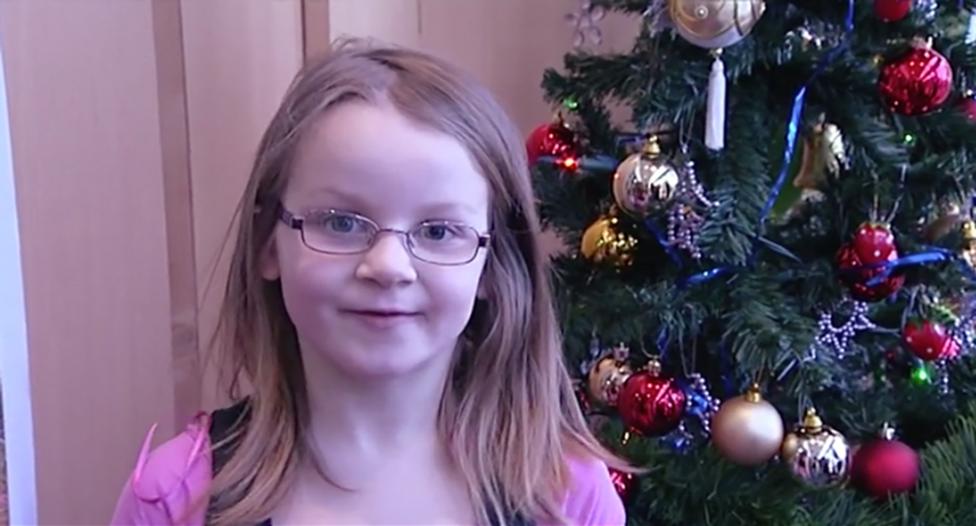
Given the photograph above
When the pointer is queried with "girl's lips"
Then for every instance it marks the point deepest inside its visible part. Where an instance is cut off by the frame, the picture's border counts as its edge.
(383, 319)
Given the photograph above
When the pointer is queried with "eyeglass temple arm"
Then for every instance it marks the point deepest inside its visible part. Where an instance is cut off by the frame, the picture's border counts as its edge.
(290, 219)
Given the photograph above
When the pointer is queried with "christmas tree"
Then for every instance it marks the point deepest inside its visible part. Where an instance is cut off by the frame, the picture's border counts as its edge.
(767, 290)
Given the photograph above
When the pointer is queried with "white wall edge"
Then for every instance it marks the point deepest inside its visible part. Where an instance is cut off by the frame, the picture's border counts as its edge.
(14, 364)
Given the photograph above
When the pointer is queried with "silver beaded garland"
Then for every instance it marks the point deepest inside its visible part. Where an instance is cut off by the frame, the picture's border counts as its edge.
(839, 338)
(684, 217)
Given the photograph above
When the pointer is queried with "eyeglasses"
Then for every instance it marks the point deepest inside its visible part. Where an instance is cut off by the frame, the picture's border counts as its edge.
(345, 233)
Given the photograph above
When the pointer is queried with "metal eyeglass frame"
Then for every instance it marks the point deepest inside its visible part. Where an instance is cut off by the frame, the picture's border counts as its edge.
(297, 222)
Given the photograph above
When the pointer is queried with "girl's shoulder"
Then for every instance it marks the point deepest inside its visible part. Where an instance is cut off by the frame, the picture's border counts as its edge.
(170, 484)
(591, 498)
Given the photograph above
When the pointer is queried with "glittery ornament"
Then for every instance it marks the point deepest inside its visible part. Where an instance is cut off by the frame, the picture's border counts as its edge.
(917, 82)
(649, 403)
(554, 139)
(816, 454)
(885, 466)
(747, 430)
(645, 182)
(605, 242)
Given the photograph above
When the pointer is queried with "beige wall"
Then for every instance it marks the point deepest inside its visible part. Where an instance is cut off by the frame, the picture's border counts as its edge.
(85, 126)
(133, 127)
(239, 63)
(506, 43)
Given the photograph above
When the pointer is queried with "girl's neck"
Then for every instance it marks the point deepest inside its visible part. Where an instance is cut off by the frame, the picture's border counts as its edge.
(366, 421)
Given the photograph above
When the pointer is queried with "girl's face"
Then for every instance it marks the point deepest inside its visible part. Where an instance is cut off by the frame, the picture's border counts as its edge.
(382, 311)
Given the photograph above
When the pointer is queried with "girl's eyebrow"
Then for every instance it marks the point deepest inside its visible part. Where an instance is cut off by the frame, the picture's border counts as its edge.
(432, 208)
(312, 199)
(449, 208)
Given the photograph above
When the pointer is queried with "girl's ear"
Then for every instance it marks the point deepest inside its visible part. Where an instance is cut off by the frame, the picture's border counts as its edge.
(268, 260)
(483, 292)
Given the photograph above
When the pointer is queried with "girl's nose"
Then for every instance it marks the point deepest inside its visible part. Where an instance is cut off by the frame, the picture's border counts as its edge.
(388, 262)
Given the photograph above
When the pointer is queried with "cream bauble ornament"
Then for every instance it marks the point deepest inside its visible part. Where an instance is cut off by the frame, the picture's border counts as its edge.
(747, 430)
(715, 24)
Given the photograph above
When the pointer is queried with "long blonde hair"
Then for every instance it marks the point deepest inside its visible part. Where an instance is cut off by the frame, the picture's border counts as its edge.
(508, 413)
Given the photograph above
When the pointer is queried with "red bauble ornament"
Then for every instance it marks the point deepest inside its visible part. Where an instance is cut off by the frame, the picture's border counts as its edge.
(885, 466)
(873, 244)
(554, 139)
(651, 404)
(624, 483)
(892, 10)
(917, 82)
(929, 340)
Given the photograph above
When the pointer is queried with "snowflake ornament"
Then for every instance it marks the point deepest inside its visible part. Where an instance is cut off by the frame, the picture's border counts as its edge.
(584, 24)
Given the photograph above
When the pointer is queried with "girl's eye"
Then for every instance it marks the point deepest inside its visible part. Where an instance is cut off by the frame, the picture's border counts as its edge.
(434, 232)
(440, 232)
(340, 223)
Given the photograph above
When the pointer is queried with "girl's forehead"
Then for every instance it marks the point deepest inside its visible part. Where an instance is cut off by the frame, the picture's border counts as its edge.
(373, 155)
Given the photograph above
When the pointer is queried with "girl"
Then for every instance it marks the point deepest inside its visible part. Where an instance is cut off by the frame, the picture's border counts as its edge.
(388, 306)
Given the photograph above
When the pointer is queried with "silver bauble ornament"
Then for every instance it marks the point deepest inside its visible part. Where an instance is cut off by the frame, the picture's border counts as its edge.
(816, 454)
(747, 430)
(645, 182)
(714, 24)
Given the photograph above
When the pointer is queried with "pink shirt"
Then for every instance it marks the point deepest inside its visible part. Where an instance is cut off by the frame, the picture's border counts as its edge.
(166, 481)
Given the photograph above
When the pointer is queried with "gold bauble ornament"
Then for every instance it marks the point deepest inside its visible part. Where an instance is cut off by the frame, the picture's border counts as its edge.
(747, 430)
(968, 249)
(604, 242)
(608, 376)
(645, 182)
(714, 24)
(816, 454)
